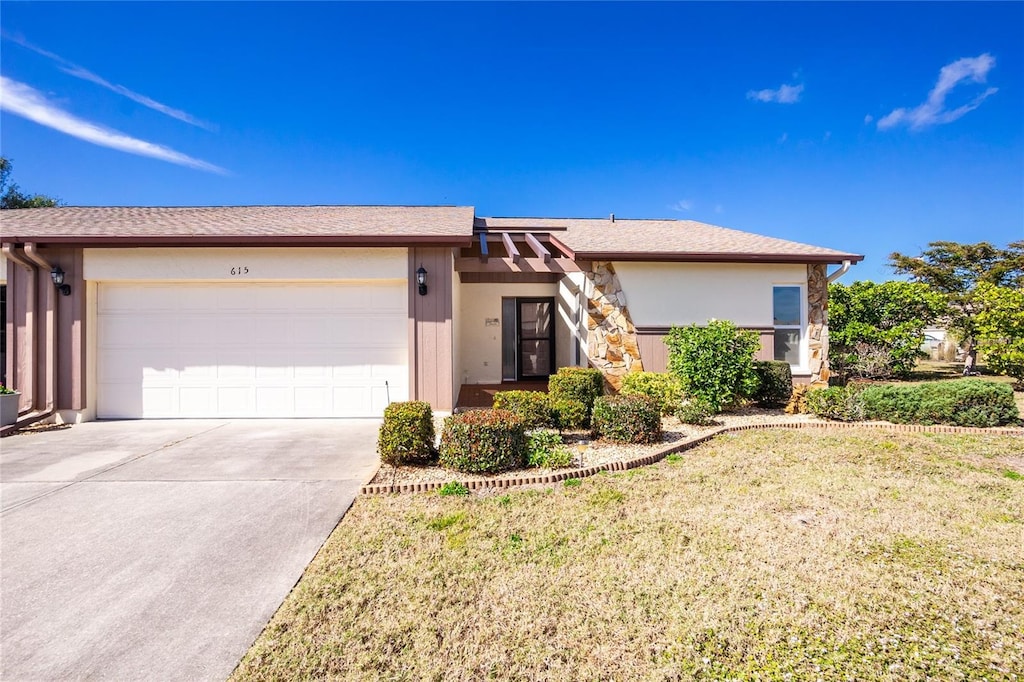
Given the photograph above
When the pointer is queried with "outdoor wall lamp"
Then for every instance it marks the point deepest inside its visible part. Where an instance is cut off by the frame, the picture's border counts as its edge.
(421, 279)
(57, 275)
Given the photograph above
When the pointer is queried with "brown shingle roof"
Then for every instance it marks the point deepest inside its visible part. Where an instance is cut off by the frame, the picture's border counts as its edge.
(620, 239)
(588, 239)
(81, 224)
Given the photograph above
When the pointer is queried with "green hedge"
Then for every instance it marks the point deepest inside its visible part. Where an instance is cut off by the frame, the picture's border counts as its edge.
(842, 403)
(775, 383)
(667, 389)
(715, 362)
(483, 442)
(581, 384)
(966, 402)
(407, 434)
(627, 419)
(571, 415)
(533, 407)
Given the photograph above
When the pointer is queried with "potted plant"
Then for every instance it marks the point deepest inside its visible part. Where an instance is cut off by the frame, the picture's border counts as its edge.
(8, 406)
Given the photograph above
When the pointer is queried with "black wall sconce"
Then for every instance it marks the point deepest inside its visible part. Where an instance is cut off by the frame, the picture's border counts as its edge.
(57, 275)
(421, 279)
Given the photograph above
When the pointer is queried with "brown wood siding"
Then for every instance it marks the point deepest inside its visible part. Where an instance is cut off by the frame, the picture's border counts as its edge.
(654, 352)
(70, 330)
(430, 328)
(509, 277)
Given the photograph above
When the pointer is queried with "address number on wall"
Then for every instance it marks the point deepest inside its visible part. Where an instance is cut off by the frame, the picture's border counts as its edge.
(240, 270)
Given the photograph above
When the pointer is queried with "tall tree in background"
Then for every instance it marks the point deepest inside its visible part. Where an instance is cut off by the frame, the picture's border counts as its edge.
(12, 197)
(955, 270)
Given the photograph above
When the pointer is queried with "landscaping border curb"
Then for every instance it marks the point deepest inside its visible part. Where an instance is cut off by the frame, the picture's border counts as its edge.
(658, 455)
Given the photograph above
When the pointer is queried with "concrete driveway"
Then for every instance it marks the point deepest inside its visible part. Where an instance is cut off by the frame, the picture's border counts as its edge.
(158, 550)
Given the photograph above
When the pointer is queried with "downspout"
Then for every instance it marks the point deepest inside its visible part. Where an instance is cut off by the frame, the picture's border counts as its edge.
(12, 254)
(844, 268)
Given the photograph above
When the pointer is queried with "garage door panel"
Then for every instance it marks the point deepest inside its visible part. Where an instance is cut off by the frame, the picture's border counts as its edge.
(251, 350)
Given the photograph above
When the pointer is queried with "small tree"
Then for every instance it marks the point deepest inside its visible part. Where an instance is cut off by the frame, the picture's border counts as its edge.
(1000, 325)
(714, 363)
(876, 330)
(955, 271)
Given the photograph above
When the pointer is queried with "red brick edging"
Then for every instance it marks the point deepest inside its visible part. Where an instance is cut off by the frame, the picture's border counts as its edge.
(658, 455)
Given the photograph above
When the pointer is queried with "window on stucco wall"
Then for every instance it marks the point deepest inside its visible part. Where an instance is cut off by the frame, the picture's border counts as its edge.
(787, 312)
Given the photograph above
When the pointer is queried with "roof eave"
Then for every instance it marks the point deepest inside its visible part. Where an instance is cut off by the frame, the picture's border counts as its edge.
(718, 257)
(243, 240)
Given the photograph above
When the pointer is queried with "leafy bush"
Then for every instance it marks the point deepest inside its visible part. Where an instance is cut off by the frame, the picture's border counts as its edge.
(544, 449)
(966, 402)
(876, 329)
(798, 400)
(452, 488)
(6, 391)
(407, 434)
(627, 419)
(569, 414)
(483, 442)
(665, 388)
(576, 383)
(842, 403)
(695, 412)
(532, 407)
(775, 383)
(714, 363)
(1001, 329)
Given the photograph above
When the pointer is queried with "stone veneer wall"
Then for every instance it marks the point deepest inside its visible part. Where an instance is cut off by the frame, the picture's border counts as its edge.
(611, 339)
(817, 323)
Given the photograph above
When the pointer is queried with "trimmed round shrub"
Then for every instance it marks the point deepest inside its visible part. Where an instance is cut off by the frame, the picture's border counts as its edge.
(576, 383)
(407, 434)
(532, 407)
(841, 403)
(775, 383)
(667, 389)
(695, 412)
(627, 419)
(570, 415)
(483, 442)
(544, 449)
(966, 402)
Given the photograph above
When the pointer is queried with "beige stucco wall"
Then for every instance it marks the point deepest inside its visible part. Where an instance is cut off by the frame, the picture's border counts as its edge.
(666, 294)
(250, 264)
(663, 294)
(480, 344)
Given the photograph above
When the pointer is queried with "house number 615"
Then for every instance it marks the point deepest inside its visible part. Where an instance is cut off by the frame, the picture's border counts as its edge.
(240, 270)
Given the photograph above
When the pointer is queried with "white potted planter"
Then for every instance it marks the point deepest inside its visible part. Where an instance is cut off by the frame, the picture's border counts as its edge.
(8, 406)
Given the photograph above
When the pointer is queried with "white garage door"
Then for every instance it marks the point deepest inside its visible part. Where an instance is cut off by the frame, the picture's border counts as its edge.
(251, 350)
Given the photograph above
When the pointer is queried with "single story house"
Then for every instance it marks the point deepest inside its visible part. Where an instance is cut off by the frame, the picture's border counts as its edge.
(333, 311)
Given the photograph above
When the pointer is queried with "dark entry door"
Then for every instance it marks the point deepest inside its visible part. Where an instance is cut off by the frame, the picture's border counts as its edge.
(535, 338)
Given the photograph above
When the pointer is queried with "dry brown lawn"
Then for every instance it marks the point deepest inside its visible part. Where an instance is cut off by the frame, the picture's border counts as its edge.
(768, 555)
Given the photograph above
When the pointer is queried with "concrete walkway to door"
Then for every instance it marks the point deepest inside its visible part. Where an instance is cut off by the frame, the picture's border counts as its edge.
(158, 550)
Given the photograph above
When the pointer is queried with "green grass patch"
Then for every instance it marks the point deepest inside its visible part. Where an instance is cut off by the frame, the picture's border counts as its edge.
(767, 555)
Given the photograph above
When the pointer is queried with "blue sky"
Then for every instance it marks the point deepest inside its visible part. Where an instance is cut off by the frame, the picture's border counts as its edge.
(868, 127)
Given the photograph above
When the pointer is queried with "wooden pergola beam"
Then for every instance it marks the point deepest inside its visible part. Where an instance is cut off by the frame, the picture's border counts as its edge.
(537, 247)
(557, 265)
(510, 247)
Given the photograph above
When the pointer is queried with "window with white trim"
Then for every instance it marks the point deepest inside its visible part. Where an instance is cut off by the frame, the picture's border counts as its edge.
(788, 320)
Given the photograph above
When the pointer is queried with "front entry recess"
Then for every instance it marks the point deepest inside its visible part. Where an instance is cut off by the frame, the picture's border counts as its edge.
(528, 338)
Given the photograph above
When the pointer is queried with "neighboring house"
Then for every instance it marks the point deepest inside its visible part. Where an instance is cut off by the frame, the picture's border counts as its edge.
(315, 311)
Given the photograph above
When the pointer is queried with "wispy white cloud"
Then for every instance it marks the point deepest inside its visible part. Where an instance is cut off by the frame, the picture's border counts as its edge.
(784, 94)
(933, 110)
(783, 137)
(85, 74)
(27, 102)
(868, 119)
(682, 205)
